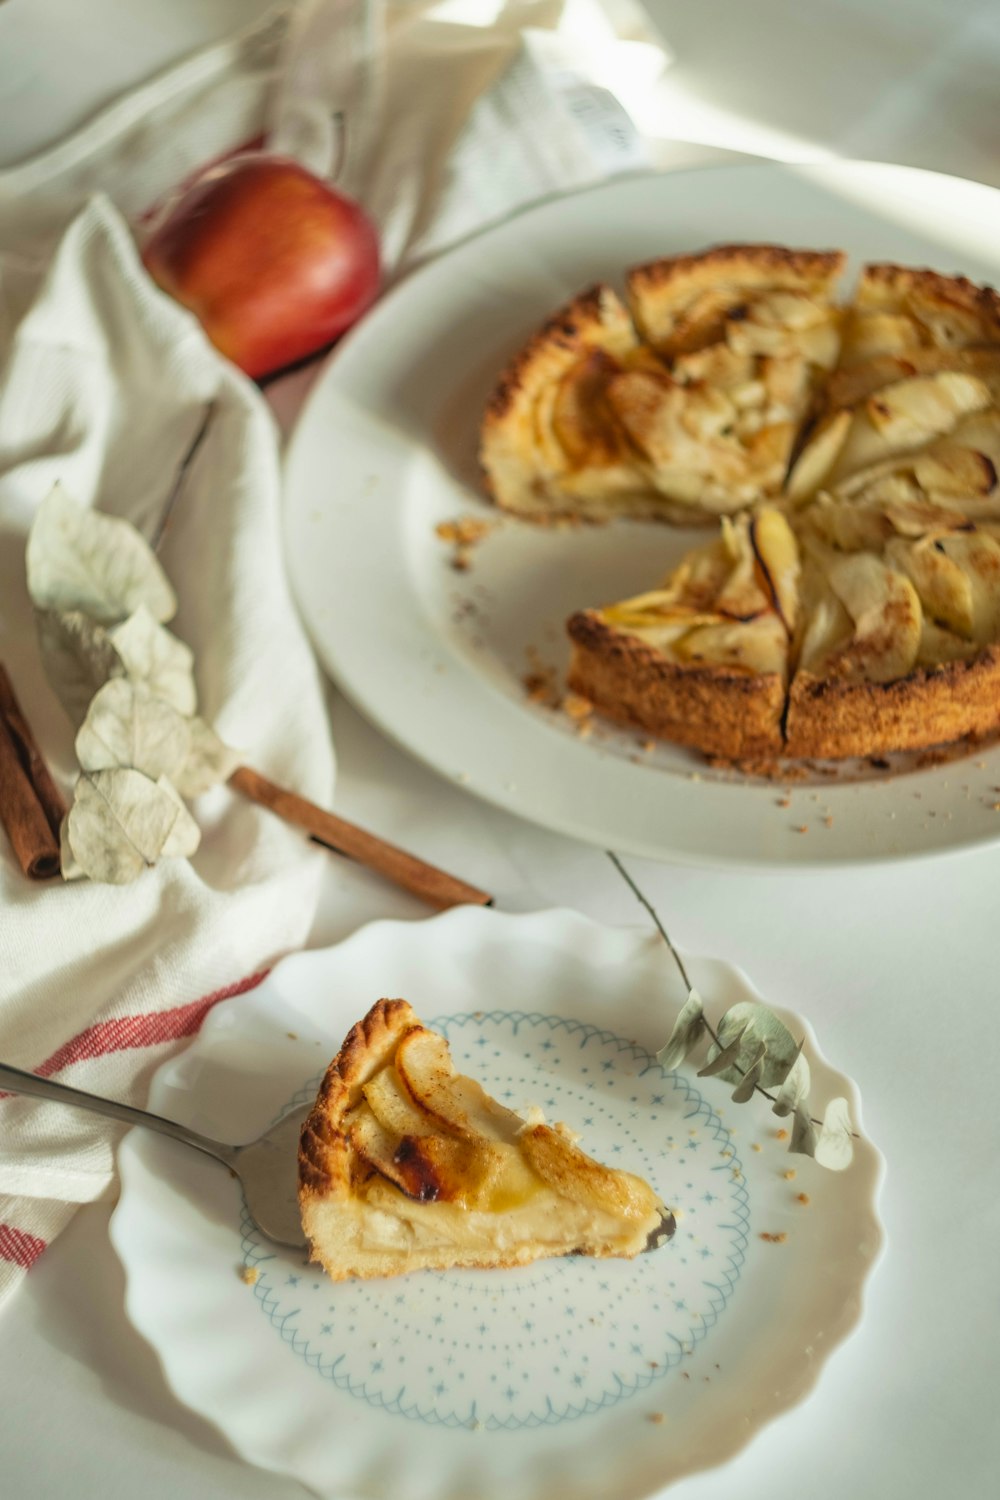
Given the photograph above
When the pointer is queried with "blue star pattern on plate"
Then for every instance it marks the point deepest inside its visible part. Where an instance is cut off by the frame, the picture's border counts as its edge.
(561, 1339)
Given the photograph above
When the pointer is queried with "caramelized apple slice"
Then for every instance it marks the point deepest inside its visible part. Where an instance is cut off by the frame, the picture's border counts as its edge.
(575, 1175)
(944, 587)
(978, 555)
(950, 468)
(375, 1145)
(912, 410)
(443, 1169)
(393, 1107)
(582, 420)
(828, 630)
(886, 612)
(743, 595)
(878, 333)
(782, 308)
(938, 645)
(436, 1168)
(902, 417)
(816, 460)
(758, 646)
(777, 554)
(425, 1070)
(819, 343)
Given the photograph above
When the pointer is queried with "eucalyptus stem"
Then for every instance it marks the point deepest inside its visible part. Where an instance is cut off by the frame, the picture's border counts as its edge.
(644, 901)
(182, 472)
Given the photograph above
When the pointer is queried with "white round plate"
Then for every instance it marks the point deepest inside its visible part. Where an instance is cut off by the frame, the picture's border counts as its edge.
(570, 1377)
(437, 659)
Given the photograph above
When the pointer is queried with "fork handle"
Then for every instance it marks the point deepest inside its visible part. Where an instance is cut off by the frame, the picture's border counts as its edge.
(18, 1082)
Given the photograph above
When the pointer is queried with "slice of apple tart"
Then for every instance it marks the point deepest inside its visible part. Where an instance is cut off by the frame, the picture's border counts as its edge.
(900, 647)
(704, 659)
(847, 630)
(684, 407)
(406, 1164)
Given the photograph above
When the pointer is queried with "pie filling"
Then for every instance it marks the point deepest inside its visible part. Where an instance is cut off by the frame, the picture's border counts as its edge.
(685, 404)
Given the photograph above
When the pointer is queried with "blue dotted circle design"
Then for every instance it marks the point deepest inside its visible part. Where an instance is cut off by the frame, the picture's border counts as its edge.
(559, 1340)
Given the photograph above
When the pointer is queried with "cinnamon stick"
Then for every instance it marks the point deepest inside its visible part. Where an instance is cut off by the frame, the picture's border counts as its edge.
(22, 811)
(434, 886)
(51, 798)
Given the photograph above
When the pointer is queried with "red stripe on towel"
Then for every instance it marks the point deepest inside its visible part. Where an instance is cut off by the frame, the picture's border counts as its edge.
(19, 1246)
(142, 1030)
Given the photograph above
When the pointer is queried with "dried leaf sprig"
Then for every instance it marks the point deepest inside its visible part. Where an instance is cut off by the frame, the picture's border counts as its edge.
(101, 602)
(751, 1049)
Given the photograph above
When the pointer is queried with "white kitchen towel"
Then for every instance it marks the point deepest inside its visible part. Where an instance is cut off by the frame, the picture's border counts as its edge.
(103, 384)
(441, 116)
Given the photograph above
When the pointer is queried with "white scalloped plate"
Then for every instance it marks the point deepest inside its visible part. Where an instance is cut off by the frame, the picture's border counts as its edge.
(385, 450)
(570, 1377)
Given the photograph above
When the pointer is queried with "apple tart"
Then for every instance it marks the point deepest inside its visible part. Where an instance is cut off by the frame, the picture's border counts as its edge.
(850, 601)
(406, 1164)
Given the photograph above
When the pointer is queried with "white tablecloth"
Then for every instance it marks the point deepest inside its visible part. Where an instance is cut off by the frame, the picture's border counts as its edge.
(873, 957)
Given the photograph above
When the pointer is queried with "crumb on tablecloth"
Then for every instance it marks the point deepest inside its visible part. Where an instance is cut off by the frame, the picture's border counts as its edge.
(249, 1275)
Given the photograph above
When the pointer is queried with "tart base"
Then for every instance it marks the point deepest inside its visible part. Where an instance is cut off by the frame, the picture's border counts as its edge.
(715, 709)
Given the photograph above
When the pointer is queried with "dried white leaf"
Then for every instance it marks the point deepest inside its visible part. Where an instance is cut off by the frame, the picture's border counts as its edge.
(794, 1087)
(154, 657)
(69, 869)
(835, 1147)
(688, 1031)
(755, 1024)
(79, 559)
(185, 835)
(127, 726)
(209, 761)
(121, 822)
(79, 658)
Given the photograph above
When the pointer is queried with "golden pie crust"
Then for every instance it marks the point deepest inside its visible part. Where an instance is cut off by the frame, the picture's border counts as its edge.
(872, 430)
(405, 1164)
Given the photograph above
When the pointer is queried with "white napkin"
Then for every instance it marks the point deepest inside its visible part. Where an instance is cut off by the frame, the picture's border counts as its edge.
(103, 384)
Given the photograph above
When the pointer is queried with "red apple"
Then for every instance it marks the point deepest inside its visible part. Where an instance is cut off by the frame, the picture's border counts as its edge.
(273, 262)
